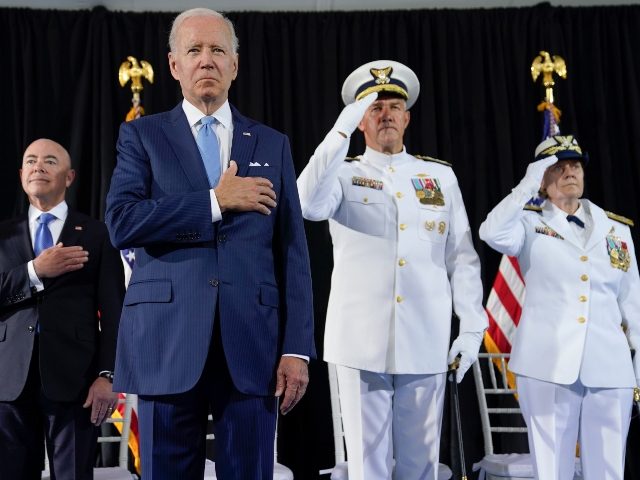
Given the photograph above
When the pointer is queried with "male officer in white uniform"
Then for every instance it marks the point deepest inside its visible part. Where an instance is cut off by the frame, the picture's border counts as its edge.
(403, 256)
(571, 356)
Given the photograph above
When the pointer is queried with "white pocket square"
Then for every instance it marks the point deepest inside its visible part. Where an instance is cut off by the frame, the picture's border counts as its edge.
(254, 164)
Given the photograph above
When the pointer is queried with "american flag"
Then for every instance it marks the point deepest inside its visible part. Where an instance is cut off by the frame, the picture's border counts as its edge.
(504, 304)
(128, 259)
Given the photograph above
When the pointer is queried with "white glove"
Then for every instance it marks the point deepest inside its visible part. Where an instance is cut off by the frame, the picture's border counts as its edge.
(352, 114)
(467, 346)
(532, 180)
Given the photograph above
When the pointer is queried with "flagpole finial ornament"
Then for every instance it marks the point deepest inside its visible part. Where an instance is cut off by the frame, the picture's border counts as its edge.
(130, 69)
(548, 65)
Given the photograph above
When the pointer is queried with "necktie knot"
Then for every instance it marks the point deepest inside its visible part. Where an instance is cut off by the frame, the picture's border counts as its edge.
(576, 220)
(46, 218)
(207, 121)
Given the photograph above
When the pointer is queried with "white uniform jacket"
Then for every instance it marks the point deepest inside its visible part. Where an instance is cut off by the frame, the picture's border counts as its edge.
(579, 295)
(399, 263)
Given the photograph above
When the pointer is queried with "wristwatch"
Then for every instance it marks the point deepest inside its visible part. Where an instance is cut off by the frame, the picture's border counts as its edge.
(106, 374)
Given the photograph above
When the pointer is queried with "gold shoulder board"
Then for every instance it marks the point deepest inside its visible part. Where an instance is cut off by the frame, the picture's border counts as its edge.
(620, 218)
(352, 159)
(431, 159)
(533, 208)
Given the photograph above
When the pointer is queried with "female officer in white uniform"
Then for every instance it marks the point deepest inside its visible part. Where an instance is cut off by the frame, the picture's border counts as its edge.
(571, 357)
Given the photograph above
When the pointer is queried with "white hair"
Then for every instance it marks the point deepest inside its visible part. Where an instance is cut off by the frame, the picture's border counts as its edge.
(201, 12)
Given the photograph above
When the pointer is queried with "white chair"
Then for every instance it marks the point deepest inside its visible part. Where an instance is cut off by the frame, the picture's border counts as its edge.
(280, 472)
(490, 387)
(340, 470)
(121, 472)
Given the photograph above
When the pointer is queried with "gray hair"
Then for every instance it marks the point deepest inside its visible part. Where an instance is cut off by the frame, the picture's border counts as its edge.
(201, 12)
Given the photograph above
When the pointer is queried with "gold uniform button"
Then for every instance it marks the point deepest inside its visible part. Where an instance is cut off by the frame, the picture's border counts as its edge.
(399, 194)
(584, 277)
(584, 258)
(365, 199)
(399, 299)
(391, 169)
(403, 226)
(402, 262)
(581, 319)
(583, 298)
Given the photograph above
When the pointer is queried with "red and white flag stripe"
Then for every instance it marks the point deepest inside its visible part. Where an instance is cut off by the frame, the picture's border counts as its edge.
(504, 306)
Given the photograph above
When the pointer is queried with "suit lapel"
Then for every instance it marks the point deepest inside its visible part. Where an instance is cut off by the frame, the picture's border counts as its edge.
(601, 225)
(179, 135)
(72, 229)
(21, 241)
(558, 223)
(243, 144)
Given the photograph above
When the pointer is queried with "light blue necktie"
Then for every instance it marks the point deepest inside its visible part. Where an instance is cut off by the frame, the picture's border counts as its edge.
(43, 234)
(209, 149)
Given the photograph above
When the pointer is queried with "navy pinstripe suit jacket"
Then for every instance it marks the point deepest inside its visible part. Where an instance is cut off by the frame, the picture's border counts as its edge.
(252, 268)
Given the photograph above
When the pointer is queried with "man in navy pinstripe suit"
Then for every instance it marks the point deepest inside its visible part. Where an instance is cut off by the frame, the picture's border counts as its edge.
(218, 314)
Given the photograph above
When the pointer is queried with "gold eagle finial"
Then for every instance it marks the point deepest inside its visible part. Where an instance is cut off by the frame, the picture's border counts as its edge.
(131, 70)
(548, 65)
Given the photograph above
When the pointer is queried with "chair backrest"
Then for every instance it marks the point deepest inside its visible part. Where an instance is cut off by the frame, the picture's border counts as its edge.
(491, 377)
(336, 414)
(123, 423)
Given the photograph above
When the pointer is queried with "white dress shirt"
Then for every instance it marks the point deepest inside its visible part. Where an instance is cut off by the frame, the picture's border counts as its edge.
(224, 131)
(60, 211)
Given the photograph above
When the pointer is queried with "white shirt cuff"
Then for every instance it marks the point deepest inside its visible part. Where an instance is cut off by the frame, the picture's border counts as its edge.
(216, 214)
(303, 357)
(34, 281)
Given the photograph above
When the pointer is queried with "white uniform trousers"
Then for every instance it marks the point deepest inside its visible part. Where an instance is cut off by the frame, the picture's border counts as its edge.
(557, 414)
(389, 417)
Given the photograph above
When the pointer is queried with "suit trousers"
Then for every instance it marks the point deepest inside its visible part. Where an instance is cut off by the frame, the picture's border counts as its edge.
(389, 417)
(557, 415)
(33, 419)
(173, 427)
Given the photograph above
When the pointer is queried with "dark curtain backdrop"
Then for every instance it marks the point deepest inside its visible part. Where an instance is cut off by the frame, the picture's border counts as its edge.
(476, 109)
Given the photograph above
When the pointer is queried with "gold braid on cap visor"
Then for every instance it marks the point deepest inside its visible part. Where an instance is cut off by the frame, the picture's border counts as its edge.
(560, 148)
(384, 88)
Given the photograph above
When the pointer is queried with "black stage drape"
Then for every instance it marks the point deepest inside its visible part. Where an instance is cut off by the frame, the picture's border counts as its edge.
(476, 109)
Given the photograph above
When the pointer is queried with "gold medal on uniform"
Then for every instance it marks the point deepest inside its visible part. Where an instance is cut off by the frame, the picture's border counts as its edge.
(618, 252)
(428, 190)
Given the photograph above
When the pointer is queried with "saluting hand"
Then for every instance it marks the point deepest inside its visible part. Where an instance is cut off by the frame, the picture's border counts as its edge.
(244, 194)
(56, 260)
(352, 114)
